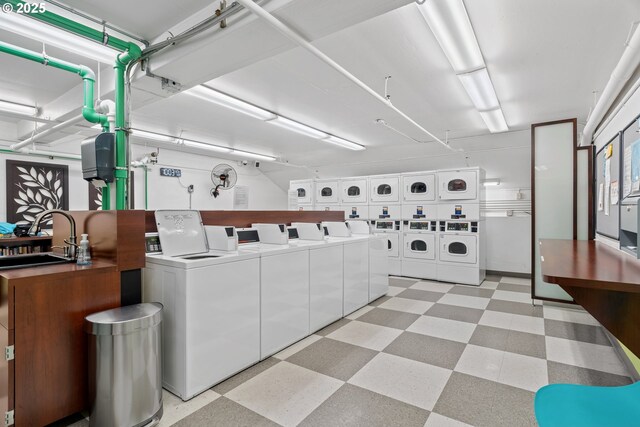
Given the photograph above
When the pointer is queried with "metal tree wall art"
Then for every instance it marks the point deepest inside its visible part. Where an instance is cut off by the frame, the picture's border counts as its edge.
(33, 188)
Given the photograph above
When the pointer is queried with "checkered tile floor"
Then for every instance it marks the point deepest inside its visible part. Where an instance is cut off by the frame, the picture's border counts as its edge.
(428, 354)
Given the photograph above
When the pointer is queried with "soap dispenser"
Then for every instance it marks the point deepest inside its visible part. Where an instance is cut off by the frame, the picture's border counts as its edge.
(84, 254)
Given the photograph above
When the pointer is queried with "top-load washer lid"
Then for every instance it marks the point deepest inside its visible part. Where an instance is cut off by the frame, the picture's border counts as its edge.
(181, 232)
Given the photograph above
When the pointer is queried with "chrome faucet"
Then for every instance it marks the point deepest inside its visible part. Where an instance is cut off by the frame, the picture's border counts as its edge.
(72, 242)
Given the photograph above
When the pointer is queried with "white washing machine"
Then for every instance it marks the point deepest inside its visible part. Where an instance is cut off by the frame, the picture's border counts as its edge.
(461, 254)
(325, 274)
(378, 258)
(304, 189)
(211, 324)
(391, 230)
(284, 286)
(356, 265)
(384, 189)
(327, 192)
(354, 191)
(420, 249)
(460, 184)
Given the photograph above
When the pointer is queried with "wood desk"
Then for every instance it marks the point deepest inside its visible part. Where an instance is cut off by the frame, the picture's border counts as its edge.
(602, 279)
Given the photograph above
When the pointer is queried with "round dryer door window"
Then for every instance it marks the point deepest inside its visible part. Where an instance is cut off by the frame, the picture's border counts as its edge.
(302, 192)
(419, 246)
(353, 191)
(384, 189)
(418, 188)
(458, 248)
(457, 185)
(326, 192)
(389, 244)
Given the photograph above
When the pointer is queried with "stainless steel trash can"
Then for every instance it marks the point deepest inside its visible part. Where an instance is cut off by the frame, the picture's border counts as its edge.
(125, 366)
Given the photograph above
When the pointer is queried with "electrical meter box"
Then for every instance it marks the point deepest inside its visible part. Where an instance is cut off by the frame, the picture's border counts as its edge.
(98, 159)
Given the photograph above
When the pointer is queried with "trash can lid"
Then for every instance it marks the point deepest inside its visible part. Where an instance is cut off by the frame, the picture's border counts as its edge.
(124, 320)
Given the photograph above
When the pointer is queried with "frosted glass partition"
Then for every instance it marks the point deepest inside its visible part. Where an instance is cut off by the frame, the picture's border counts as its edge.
(585, 193)
(554, 183)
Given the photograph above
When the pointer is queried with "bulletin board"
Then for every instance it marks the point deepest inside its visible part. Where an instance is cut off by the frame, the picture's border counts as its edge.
(630, 187)
(608, 188)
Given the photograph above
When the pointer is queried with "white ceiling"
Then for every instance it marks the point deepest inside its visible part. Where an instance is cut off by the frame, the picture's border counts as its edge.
(545, 58)
(145, 18)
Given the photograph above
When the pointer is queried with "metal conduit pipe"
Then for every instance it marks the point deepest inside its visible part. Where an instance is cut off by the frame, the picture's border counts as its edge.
(629, 62)
(302, 42)
(36, 138)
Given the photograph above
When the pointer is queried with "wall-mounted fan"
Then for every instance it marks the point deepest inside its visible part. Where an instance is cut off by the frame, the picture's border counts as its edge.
(223, 177)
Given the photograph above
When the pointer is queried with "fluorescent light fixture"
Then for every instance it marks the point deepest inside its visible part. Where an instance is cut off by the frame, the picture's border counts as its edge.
(253, 155)
(21, 109)
(153, 136)
(197, 144)
(300, 128)
(490, 182)
(480, 89)
(449, 22)
(343, 143)
(50, 35)
(204, 146)
(212, 95)
(494, 120)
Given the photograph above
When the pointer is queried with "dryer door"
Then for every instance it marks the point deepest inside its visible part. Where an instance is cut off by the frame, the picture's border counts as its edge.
(459, 248)
(419, 187)
(326, 192)
(420, 246)
(393, 244)
(304, 191)
(458, 185)
(354, 191)
(385, 189)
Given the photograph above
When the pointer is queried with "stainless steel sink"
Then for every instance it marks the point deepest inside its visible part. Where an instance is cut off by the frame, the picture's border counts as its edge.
(32, 260)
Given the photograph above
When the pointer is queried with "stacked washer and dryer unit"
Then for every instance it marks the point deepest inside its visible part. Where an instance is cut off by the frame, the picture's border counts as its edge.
(432, 219)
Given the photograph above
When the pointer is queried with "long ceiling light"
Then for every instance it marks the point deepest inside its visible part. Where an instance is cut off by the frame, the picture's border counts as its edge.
(212, 95)
(198, 144)
(450, 23)
(297, 127)
(480, 89)
(494, 120)
(209, 94)
(21, 109)
(344, 143)
(53, 36)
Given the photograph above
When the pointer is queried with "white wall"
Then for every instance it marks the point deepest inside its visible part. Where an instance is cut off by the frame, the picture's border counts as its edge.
(78, 188)
(164, 192)
(171, 193)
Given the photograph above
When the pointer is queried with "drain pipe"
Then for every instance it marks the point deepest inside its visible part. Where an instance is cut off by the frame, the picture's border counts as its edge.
(35, 138)
(302, 42)
(627, 65)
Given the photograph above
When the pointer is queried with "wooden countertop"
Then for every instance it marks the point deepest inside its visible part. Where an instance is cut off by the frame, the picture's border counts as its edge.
(589, 264)
(43, 270)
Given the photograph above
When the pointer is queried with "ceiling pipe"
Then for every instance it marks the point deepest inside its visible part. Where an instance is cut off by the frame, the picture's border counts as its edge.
(302, 42)
(37, 137)
(627, 65)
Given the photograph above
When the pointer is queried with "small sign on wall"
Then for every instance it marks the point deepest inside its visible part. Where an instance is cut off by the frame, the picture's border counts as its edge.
(241, 197)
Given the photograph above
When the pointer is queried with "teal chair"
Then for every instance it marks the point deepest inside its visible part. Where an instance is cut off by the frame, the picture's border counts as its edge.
(567, 405)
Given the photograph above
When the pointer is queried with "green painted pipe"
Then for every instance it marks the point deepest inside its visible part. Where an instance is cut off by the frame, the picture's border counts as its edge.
(122, 171)
(74, 27)
(88, 76)
(106, 198)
